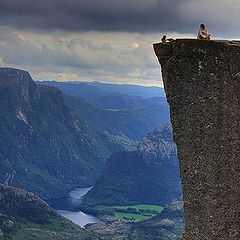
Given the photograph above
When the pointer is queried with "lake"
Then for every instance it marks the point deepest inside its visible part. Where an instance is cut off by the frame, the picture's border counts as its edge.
(69, 207)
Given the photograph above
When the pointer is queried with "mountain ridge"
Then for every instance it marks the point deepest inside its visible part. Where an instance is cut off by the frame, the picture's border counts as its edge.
(149, 175)
(40, 135)
(108, 88)
(24, 216)
(44, 133)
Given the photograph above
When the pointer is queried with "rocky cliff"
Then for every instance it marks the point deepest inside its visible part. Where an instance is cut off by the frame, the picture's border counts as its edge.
(202, 83)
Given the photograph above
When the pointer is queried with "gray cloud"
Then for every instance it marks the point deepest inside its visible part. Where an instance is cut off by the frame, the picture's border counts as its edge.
(118, 57)
(99, 15)
(182, 16)
(103, 40)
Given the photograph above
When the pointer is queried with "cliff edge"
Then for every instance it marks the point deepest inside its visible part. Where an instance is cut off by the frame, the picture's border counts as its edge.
(202, 84)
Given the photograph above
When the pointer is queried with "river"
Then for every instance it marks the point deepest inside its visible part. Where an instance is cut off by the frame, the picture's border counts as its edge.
(69, 207)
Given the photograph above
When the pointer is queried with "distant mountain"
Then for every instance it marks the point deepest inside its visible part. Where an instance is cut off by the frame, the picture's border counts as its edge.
(129, 89)
(120, 101)
(149, 175)
(95, 90)
(123, 119)
(24, 216)
(168, 225)
(51, 142)
(45, 147)
(77, 89)
(121, 126)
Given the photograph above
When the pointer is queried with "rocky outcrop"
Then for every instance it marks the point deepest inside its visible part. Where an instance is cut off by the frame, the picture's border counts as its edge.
(149, 175)
(19, 81)
(158, 145)
(202, 83)
(13, 198)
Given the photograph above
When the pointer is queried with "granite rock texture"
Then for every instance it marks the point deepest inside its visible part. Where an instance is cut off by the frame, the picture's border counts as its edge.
(202, 83)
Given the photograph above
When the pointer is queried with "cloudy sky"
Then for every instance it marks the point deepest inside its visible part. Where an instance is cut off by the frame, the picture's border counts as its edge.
(104, 40)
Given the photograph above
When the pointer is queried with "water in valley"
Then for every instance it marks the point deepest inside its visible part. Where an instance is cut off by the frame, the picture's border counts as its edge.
(69, 207)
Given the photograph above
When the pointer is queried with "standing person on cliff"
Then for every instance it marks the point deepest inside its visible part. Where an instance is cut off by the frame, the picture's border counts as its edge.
(203, 33)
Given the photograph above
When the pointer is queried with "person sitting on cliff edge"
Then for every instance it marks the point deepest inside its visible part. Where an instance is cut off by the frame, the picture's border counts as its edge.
(165, 40)
(203, 33)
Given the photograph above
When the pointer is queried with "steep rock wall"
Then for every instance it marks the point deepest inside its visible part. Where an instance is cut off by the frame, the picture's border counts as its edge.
(45, 147)
(202, 83)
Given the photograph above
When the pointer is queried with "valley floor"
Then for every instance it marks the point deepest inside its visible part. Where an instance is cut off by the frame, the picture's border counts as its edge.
(139, 222)
(131, 213)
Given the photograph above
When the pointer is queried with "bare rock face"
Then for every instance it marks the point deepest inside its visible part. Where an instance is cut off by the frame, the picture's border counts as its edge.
(158, 145)
(202, 83)
(42, 140)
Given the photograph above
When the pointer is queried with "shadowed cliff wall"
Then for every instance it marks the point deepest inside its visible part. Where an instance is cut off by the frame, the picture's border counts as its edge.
(202, 83)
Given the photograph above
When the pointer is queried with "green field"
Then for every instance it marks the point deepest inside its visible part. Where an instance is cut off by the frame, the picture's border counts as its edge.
(137, 207)
(142, 212)
(141, 207)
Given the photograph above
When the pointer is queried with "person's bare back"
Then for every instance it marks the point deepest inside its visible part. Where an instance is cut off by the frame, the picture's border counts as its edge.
(203, 33)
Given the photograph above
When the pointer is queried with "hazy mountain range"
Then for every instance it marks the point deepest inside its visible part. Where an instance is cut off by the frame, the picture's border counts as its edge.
(95, 90)
(52, 142)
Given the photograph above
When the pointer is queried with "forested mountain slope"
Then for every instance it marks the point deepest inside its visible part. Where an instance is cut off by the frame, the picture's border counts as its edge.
(149, 175)
(24, 216)
(44, 147)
